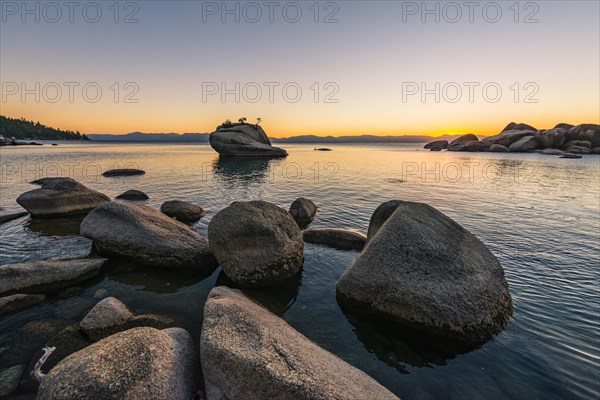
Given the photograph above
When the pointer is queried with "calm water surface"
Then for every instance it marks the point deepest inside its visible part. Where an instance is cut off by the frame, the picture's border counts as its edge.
(538, 214)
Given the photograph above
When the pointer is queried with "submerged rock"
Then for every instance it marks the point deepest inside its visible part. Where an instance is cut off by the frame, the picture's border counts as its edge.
(47, 276)
(123, 172)
(67, 341)
(342, 239)
(422, 269)
(243, 140)
(256, 243)
(182, 210)
(147, 236)
(10, 217)
(59, 197)
(303, 211)
(110, 316)
(570, 155)
(140, 363)
(437, 144)
(135, 195)
(9, 379)
(249, 353)
(19, 302)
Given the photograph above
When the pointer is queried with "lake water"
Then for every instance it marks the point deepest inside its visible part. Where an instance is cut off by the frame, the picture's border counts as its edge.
(538, 214)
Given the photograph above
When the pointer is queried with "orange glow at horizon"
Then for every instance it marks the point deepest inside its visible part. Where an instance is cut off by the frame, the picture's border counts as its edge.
(278, 127)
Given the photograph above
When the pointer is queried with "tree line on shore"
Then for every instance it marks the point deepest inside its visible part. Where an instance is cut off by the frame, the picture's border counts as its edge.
(23, 129)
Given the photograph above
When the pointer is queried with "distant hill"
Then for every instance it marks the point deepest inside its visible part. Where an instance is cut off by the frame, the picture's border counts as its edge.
(360, 139)
(151, 137)
(23, 129)
(203, 138)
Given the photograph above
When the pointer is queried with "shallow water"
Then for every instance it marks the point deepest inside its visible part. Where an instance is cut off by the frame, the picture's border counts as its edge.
(538, 214)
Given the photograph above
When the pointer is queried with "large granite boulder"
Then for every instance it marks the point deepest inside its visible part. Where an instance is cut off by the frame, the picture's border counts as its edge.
(422, 269)
(513, 126)
(303, 211)
(564, 126)
(380, 215)
(256, 243)
(47, 276)
(342, 239)
(498, 148)
(524, 144)
(553, 152)
(243, 140)
(585, 132)
(182, 210)
(506, 138)
(476, 145)
(553, 138)
(59, 197)
(248, 353)
(140, 363)
(146, 236)
(462, 140)
(437, 144)
(110, 316)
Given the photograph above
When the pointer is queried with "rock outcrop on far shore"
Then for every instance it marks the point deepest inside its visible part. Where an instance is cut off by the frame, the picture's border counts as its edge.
(521, 138)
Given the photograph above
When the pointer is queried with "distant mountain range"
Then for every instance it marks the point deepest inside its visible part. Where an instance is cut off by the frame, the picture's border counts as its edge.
(203, 138)
(150, 137)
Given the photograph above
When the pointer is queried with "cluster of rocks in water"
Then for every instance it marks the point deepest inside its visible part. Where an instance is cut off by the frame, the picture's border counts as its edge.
(564, 140)
(4, 141)
(417, 268)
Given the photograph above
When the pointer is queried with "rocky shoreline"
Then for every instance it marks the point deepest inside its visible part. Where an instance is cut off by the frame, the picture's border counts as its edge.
(568, 141)
(245, 351)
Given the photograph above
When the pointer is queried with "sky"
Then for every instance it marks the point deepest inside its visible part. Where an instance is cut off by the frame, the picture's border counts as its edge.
(324, 68)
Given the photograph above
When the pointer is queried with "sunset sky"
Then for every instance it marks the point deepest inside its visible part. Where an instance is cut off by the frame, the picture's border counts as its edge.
(178, 53)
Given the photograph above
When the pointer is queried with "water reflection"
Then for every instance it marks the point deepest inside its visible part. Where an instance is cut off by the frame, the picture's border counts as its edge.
(235, 170)
(400, 346)
(277, 299)
(55, 226)
(154, 280)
